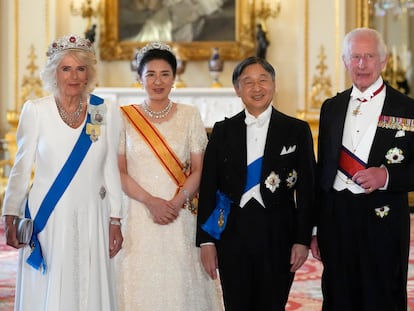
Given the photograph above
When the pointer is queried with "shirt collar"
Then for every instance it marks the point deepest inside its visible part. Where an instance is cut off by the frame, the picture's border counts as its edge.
(261, 118)
(369, 92)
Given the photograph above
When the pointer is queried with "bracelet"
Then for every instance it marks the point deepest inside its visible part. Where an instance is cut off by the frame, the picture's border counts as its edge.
(187, 197)
(115, 222)
(186, 193)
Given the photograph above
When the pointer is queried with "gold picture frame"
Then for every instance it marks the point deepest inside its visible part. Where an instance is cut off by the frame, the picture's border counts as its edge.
(112, 47)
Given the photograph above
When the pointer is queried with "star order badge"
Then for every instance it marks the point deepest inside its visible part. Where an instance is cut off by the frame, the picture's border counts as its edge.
(394, 155)
(272, 181)
(292, 178)
(382, 211)
(98, 113)
(94, 131)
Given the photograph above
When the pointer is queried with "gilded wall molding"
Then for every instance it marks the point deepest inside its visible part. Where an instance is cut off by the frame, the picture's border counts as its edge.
(362, 13)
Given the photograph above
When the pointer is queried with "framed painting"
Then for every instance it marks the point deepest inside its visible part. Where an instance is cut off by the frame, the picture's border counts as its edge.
(192, 27)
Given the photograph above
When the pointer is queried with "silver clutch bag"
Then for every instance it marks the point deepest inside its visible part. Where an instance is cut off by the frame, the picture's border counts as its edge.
(24, 227)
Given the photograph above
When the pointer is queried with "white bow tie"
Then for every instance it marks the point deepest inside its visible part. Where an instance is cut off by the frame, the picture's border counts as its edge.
(250, 120)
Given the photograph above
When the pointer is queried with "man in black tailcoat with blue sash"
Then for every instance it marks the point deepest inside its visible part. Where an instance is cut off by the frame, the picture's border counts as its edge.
(263, 162)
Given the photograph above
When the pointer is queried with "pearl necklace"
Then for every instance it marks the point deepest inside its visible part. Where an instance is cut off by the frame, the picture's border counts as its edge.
(157, 114)
(70, 118)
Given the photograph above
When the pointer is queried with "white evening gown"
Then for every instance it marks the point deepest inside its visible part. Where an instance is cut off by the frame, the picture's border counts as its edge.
(159, 267)
(75, 241)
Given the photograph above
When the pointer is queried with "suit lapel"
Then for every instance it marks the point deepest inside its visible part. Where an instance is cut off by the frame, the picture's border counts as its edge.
(273, 144)
(383, 137)
(237, 144)
(339, 117)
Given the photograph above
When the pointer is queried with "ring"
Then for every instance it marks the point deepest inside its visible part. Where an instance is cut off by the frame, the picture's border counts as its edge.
(369, 189)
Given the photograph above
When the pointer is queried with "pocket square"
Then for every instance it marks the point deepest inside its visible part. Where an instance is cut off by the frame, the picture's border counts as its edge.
(400, 133)
(288, 150)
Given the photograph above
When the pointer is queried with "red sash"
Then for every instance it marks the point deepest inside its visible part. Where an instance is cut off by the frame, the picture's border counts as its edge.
(349, 163)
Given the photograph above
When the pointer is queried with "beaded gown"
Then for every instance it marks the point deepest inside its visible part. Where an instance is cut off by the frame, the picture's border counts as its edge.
(159, 266)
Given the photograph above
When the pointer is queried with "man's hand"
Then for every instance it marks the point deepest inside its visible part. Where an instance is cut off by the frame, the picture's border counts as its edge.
(371, 178)
(315, 248)
(298, 256)
(209, 260)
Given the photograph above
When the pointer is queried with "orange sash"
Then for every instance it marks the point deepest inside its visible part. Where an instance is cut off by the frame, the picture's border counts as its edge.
(157, 144)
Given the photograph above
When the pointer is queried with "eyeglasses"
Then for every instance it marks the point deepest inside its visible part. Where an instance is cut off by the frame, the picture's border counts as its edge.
(249, 83)
(356, 58)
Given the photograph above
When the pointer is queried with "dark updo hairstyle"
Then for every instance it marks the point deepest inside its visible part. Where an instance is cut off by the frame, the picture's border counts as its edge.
(156, 51)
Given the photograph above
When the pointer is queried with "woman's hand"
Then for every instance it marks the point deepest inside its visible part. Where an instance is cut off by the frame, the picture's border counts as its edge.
(115, 237)
(162, 211)
(10, 232)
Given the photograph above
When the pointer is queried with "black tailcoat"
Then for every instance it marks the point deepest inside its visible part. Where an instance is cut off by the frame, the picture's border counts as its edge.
(287, 218)
(378, 242)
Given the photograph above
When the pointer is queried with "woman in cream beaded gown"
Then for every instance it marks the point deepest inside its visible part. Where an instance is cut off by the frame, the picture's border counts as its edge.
(159, 267)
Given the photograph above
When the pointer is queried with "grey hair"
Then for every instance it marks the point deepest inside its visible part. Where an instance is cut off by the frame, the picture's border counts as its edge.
(238, 70)
(49, 73)
(364, 31)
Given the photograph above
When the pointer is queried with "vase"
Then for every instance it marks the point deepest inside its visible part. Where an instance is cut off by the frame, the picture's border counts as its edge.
(180, 69)
(215, 67)
(134, 66)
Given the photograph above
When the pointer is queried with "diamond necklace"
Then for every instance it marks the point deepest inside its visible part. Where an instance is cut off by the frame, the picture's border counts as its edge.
(157, 114)
(70, 118)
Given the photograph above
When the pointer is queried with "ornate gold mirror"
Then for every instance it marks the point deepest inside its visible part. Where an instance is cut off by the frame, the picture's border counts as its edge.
(395, 20)
(192, 27)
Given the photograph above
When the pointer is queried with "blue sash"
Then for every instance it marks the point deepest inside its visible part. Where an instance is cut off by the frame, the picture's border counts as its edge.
(57, 189)
(254, 170)
(217, 221)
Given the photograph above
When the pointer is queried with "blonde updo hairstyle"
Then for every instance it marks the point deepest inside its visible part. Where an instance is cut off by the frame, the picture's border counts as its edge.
(49, 74)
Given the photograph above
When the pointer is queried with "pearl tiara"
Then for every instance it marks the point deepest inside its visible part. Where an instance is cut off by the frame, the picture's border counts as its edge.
(70, 42)
(151, 46)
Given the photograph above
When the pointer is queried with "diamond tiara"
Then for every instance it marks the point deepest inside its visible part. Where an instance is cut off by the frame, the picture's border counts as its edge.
(151, 46)
(70, 42)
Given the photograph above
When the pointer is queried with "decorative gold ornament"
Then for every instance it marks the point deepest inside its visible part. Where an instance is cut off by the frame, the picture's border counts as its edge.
(321, 83)
(87, 11)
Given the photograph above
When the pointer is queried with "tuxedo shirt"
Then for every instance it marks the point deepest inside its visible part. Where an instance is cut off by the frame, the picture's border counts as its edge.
(256, 132)
(359, 129)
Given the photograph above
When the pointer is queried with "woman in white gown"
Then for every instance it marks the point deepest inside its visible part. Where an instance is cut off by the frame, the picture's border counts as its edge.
(74, 271)
(159, 266)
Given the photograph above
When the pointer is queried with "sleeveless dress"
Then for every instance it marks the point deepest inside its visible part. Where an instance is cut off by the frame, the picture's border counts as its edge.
(159, 267)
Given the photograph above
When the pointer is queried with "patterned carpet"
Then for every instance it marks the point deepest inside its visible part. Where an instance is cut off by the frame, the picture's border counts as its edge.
(305, 294)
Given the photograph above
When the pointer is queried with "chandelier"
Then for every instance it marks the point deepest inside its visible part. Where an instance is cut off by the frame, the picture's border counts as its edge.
(395, 7)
